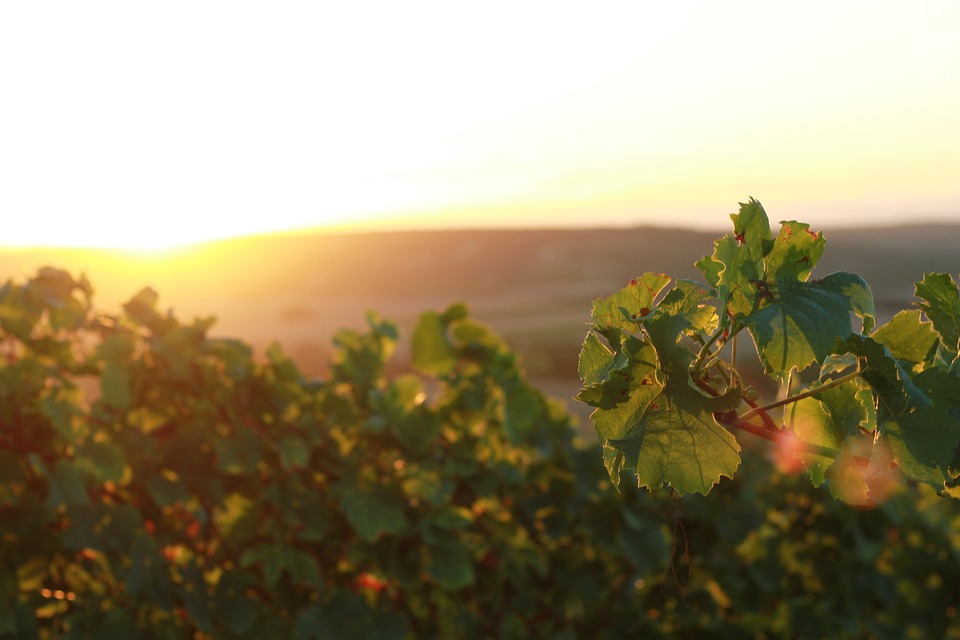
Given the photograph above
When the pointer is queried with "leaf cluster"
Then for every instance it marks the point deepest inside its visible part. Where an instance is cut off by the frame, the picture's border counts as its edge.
(157, 482)
(659, 364)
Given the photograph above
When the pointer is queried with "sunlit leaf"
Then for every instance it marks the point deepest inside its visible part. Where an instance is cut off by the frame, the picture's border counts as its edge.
(908, 337)
(803, 321)
(941, 303)
(632, 303)
(432, 351)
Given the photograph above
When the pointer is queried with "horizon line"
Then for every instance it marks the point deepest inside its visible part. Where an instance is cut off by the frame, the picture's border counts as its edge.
(361, 229)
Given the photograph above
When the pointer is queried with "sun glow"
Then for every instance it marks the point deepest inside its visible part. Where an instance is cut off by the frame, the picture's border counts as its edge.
(150, 127)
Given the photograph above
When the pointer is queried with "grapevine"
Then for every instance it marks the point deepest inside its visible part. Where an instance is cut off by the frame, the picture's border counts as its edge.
(659, 365)
(158, 482)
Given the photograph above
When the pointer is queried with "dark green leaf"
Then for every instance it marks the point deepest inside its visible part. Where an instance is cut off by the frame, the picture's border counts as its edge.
(374, 512)
(803, 322)
(941, 303)
(925, 439)
(451, 565)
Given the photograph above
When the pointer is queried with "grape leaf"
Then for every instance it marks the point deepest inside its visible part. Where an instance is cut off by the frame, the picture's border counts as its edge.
(687, 299)
(626, 307)
(605, 381)
(908, 337)
(941, 303)
(803, 322)
(828, 419)
(924, 440)
(676, 441)
(116, 351)
(894, 391)
(918, 416)
(737, 260)
(731, 270)
(794, 253)
(277, 559)
(666, 431)
(432, 351)
(451, 564)
(751, 228)
(374, 512)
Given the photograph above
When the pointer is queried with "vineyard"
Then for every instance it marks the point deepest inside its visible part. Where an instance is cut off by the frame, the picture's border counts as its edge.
(157, 482)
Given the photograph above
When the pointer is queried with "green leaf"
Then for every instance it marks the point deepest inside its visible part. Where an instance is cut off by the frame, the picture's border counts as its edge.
(374, 512)
(917, 416)
(827, 420)
(803, 322)
(142, 308)
(737, 261)
(428, 486)
(666, 432)
(8, 618)
(238, 452)
(795, 252)
(941, 303)
(598, 362)
(120, 624)
(115, 386)
(892, 386)
(18, 315)
(924, 440)
(751, 227)
(451, 564)
(165, 491)
(687, 299)
(62, 406)
(67, 486)
(631, 304)
(347, 616)
(908, 337)
(116, 350)
(676, 441)
(608, 375)
(103, 461)
(521, 406)
(277, 559)
(456, 311)
(432, 352)
(293, 450)
(236, 517)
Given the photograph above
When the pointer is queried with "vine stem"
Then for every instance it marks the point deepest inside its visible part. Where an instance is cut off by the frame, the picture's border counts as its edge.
(800, 396)
(705, 350)
(733, 359)
(784, 440)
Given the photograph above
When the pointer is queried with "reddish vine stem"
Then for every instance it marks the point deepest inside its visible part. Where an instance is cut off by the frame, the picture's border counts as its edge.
(784, 440)
(800, 396)
(769, 430)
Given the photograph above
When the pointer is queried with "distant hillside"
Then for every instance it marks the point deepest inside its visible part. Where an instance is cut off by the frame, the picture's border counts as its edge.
(533, 286)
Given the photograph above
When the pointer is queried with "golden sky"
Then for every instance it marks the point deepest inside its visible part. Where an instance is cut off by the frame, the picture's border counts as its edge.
(148, 124)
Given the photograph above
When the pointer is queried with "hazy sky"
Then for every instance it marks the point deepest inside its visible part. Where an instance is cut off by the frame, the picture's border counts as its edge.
(131, 123)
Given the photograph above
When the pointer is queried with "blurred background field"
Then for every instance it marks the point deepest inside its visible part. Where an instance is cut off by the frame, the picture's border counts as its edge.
(534, 287)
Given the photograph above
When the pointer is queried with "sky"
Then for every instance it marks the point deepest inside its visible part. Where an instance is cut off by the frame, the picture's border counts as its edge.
(154, 124)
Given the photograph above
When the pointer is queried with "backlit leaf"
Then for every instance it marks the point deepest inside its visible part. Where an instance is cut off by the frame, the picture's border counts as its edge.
(432, 351)
(908, 337)
(941, 303)
(804, 320)
(631, 304)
